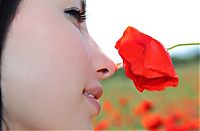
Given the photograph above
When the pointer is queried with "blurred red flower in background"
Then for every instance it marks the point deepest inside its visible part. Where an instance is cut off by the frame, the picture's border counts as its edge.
(107, 106)
(179, 122)
(152, 121)
(146, 61)
(123, 101)
(117, 118)
(102, 125)
(143, 108)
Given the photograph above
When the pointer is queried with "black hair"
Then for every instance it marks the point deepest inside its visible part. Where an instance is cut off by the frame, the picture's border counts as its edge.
(7, 12)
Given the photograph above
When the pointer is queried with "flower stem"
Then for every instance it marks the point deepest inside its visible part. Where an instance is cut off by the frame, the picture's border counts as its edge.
(119, 65)
(185, 44)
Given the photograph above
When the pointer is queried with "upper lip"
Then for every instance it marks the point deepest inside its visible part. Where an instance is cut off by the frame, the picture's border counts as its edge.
(96, 91)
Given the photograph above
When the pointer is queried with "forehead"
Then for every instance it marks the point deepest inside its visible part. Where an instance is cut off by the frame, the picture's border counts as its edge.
(71, 2)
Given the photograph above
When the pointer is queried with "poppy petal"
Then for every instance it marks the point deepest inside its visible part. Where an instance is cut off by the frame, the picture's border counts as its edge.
(146, 61)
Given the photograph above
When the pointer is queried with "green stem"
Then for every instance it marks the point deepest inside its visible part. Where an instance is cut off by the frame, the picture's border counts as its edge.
(186, 44)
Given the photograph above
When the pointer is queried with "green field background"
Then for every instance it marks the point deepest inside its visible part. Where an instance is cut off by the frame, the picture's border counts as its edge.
(183, 99)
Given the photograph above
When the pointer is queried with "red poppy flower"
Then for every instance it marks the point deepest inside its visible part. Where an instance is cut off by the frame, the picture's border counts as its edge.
(152, 121)
(102, 125)
(146, 61)
(143, 108)
(107, 106)
(123, 101)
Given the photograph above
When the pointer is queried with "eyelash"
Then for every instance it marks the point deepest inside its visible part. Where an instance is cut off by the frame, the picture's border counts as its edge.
(76, 13)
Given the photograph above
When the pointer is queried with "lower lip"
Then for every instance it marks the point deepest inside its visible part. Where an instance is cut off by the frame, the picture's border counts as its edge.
(94, 102)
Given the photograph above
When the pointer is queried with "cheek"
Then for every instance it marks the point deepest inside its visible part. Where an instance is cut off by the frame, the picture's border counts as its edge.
(45, 69)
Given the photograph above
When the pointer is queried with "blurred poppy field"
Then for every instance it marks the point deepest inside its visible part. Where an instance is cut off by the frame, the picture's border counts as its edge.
(174, 109)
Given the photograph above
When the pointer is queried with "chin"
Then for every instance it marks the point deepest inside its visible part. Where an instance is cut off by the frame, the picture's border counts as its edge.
(83, 126)
(89, 127)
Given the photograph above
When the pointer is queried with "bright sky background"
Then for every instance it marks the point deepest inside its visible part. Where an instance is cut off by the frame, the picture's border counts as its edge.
(169, 21)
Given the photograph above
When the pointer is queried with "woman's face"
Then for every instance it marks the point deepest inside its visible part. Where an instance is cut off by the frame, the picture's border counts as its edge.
(48, 61)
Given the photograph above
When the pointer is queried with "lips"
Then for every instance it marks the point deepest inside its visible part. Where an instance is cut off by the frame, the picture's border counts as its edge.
(92, 94)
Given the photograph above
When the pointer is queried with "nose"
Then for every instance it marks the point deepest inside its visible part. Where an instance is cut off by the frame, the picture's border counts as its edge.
(102, 64)
(105, 67)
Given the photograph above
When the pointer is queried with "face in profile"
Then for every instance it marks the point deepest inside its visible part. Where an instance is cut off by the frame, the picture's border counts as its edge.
(51, 68)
